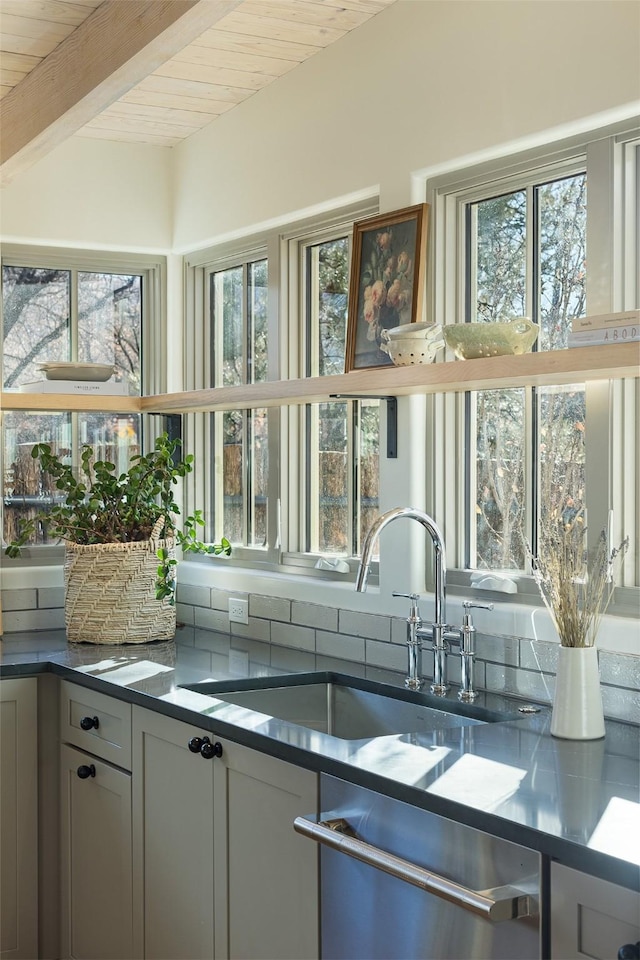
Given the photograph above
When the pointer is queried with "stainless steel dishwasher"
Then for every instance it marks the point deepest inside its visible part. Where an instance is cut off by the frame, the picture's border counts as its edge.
(399, 883)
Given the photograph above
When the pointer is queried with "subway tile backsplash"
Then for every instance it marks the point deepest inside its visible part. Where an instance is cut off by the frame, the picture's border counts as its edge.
(515, 666)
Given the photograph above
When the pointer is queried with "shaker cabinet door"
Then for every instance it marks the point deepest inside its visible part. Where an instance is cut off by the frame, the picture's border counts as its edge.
(218, 867)
(18, 819)
(591, 917)
(266, 877)
(95, 853)
(173, 840)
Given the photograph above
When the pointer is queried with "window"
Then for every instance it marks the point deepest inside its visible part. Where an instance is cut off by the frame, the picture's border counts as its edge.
(274, 307)
(526, 255)
(341, 438)
(66, 307)
(534, 239)
(238, 303)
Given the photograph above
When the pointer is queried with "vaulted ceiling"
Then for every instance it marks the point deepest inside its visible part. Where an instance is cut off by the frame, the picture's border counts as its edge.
(150, 71)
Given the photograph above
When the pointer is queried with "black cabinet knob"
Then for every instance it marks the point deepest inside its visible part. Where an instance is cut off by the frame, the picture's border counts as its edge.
(90, 723)
(210, 750)
(629, 951)
(84, 772)
(205, 748)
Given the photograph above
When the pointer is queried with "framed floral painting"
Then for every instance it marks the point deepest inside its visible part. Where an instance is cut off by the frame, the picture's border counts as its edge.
(386, 281)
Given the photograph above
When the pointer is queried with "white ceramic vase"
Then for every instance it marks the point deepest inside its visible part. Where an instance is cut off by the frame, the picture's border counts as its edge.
(577, 705)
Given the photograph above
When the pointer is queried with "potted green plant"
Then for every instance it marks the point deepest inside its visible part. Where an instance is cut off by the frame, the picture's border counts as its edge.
(120, 531)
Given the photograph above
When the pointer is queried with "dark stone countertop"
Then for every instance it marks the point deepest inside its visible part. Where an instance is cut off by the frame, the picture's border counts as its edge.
(576, 802)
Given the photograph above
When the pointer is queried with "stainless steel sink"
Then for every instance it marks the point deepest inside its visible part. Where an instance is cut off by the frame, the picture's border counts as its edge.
(347, 709)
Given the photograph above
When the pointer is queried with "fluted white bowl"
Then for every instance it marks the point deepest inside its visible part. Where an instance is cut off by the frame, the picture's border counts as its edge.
(417, 331)
(407, 351)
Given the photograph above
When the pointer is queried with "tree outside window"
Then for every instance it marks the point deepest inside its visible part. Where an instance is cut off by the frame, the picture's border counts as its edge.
(527, 255)
(64, 314)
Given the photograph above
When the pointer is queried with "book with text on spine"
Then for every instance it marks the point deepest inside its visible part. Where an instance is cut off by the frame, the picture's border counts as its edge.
(108, 388)
(626, 333)
(604, 320)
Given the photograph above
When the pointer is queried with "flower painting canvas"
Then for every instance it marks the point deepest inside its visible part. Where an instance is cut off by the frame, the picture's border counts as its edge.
(385, 287)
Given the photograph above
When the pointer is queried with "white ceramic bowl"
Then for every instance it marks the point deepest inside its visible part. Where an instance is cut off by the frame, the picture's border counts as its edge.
(417, 331)
(77, 371)
(404, 352)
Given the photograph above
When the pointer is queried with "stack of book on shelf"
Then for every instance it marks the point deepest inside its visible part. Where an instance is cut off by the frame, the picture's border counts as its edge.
(605, 328)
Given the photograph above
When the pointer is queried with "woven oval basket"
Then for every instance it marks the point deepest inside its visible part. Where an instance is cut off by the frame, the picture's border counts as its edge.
(110, 592)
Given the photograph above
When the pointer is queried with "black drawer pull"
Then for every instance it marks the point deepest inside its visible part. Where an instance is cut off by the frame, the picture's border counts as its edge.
(84, 772)
(210, 750)
(205, 748)
(629, 951)
(90, 723)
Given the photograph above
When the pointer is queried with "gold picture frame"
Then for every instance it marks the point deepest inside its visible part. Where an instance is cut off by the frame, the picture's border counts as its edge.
(386, 281)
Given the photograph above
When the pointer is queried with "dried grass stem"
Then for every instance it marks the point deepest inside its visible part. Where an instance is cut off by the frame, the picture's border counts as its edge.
(576, 588)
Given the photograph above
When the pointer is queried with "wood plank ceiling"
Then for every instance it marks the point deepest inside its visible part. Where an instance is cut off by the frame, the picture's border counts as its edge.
(198, 70)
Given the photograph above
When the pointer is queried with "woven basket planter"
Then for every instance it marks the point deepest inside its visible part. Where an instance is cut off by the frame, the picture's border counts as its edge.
(110, 592)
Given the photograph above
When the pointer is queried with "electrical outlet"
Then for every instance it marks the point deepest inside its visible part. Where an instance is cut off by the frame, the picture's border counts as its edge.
(238, 610)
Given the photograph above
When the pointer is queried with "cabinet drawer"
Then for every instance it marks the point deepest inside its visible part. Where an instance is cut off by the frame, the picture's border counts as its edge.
(110, 737)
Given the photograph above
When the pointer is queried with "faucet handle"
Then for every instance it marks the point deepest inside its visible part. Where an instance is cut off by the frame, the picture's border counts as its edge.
(469, 604)
(414, 613)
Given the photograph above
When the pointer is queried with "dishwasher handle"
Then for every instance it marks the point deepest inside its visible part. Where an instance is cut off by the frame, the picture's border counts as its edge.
(497, 904)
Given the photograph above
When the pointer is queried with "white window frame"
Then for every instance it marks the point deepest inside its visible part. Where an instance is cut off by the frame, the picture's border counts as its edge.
(284, 249)
(153, 271)
(610, 157)
(295, 245)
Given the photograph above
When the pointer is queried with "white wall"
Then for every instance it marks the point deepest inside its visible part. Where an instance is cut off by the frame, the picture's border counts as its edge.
(420, 85)
(93, 194)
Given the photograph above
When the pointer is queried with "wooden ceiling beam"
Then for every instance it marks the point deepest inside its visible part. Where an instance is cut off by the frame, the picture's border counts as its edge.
(115, 48)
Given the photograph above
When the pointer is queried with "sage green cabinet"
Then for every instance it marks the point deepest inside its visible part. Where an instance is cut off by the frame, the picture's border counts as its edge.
(266, 874)
(591, 918)
(96, 901)
(95, 855)
(18, 819)
(218, 868)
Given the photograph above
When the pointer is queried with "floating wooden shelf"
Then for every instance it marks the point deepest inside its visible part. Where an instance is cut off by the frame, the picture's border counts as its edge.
(63, 402)
(577, 365)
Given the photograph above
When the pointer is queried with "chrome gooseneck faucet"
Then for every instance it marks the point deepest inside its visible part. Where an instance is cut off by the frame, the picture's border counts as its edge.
(439, 626)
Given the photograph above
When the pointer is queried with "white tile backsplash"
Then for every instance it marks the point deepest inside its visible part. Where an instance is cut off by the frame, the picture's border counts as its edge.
(516, 647)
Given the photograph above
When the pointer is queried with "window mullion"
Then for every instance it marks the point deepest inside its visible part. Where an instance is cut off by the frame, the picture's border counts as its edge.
(627, 189)
(247, 357)
(312, 478)
(354, 421)
(74, 311)
(470, 485)
(532, 398)
(531, 465)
